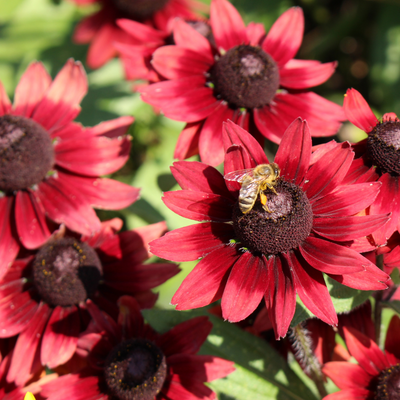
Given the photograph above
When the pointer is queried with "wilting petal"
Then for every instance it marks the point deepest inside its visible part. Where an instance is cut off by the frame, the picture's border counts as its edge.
(199, 206)
(311, 288)
(306, 76)
(330, 257)
(31, 88)
(348, 228)
(346, 375)
(227, 25)
(207, 280)
(347, 200)
(186, 337)
(285, 36)
(9, 245)
(358, 111)
(30, 220)
(245, 288)
(192, 242)
(293, 155)
(365, 351)
(280, 297)
(60, 337)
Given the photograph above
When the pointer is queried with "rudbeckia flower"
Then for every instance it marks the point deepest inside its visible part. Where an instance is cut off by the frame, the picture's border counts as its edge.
(101, 31)
(132, 361)
(378, 155)
(274, 254)
(43, 297)
(50, 165)
(377, 374)
(247, 77)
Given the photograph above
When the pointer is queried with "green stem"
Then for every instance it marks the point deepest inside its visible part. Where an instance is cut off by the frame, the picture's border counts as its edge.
(302, 343)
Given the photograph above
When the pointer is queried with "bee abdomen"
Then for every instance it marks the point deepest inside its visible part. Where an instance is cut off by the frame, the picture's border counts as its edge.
(246, 202)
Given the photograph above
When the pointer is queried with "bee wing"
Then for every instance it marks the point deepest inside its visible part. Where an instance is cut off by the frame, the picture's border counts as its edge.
(239, 175)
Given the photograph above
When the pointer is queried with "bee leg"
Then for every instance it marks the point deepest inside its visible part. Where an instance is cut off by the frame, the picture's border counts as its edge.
(263, 199)
(270, 187)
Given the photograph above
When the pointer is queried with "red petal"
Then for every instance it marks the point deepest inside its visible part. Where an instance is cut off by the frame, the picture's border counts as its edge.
(187, 337)
(5, 103)
(358, 111)
(293, 155)
(331, 258)
(306, 76)
(333, 167)
(174, 62)
(25, 359)
(31, 88)
(60, 337)
(234, 134)
(30, 219)
(192, 242)
(112, 129)
(198, 43)
(199, 206)
(280, 297)
(348, 228)
(93, 156)
(211, 147)
(60, 104)
(190, 389)
(311, 288)
(365, 351)
(64, 205)
(86, 30)
(188, 141)
(196, 176)
(207, 280)
(141, 33)
(346, 375)
(9, 245)
(255, 33)
(347, 200)
(285, 36)
(130, 318)
(245, 288)
(227, 25)
(108, 231)
(392, 337)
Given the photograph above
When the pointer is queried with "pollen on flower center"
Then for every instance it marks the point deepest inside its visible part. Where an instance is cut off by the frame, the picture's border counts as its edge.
(66, 272)
(139, 9)
(384, 147)
(285, 227)
(388, 386)
(135, 370)
(246, 76)
(26, 153)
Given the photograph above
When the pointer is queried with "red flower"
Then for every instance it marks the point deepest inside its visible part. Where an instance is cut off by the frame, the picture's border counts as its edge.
(43, 297)
(101, 30)
(247, 77)
(377, 375)
(50, 165)
(131, 357)
(377, 158)
(276, 254)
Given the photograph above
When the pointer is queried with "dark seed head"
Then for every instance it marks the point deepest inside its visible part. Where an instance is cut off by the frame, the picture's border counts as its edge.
(139, 9)
(388, 385)
(66, 272)
(26, 153)
(384, 147)
(246, 77)
(287, 225)
(135, 370)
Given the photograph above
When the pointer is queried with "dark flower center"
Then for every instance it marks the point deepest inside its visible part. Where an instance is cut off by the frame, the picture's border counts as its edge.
(66, 272)
(135, 370)
(26, 153)
(246, 77)
(384, 147)
(139, 9)
(285, 227)
(388, 387)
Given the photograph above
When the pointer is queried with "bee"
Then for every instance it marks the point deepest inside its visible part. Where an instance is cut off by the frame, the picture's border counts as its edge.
(254, 182)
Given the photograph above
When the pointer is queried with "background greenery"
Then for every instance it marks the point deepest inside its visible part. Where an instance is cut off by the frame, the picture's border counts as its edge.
(364, 36)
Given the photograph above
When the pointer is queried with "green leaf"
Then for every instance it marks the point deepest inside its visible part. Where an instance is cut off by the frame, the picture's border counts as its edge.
(344, 299)
(261, 373)
(394, 305)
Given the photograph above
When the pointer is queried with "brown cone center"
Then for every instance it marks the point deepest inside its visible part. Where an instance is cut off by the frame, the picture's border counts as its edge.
(388, 386)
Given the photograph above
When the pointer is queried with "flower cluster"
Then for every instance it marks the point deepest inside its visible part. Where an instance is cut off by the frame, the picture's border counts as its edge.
(279, 239)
